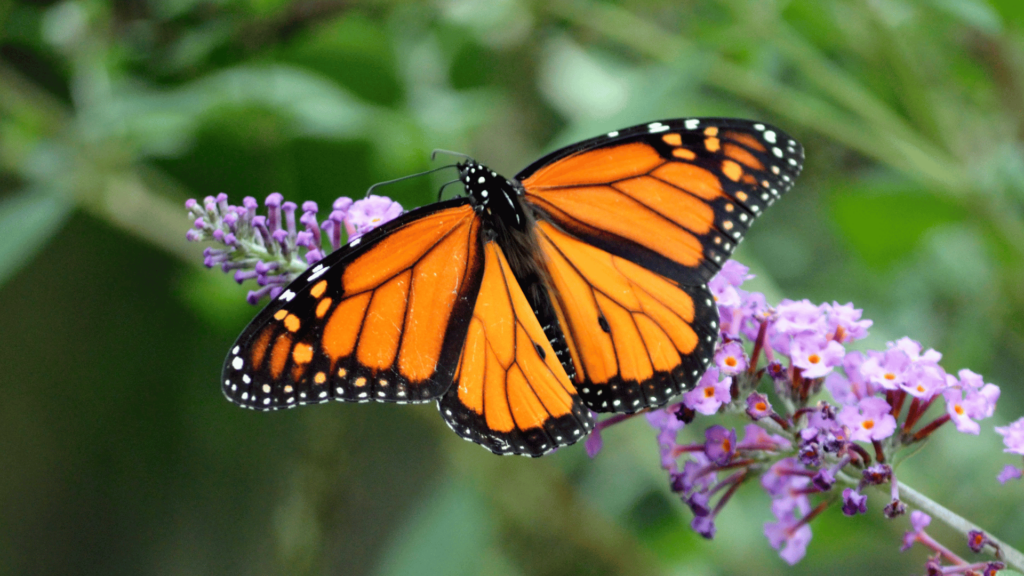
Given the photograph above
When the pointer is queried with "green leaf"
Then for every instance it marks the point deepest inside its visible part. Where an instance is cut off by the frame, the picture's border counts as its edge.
(28, 219)
(884, 223)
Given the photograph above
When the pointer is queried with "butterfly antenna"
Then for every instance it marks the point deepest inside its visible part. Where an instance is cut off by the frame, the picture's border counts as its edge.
(433, 155)
(443, 186)
(424, 173)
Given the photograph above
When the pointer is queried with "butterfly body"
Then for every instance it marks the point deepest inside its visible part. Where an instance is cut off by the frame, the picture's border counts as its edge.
(578, 285)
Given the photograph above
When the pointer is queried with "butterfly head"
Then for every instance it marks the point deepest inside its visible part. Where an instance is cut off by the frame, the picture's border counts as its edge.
(492, 194)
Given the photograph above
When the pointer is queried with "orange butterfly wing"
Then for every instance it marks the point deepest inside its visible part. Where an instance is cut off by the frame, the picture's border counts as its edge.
(631, 226)
(511, 394)
(382, 319)
(636, 338)
(674, 196)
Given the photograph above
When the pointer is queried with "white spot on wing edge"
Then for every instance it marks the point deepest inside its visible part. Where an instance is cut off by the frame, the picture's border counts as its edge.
(317, 272)
(655, 127)
(287, 295)
(237, 363)
(613, 133)
(691, 123)
(770, 136)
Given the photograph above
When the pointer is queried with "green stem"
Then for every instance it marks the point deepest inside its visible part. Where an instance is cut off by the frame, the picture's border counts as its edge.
(1013, 557)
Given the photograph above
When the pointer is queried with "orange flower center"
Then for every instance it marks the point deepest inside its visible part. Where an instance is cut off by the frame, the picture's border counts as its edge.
(868, 424)
(890, 376)
(958, 409)
(730, 362)
(814, 358)
(709, 392)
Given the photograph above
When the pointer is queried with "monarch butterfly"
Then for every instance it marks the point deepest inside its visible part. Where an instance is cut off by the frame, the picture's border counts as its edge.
(520, 307)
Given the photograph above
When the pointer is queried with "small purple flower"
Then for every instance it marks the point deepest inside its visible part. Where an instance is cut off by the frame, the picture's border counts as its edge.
(788, 533)
(976, 540)
(979, 398)
(854, 385)
(799, 317)
(913, 350)
(370, 212)
(724, 284)
(918, 522)
(868, 420)
(668, 427)
(854, 502)
(758, 406)
(823, 480)
(992, 568)
(753, 313)
(877, 474)
(958, 413)
(796, 318)
(810, 454)
(887, 369)
(894, 508)
(924, 380)
(730, 358)
(844, 323)
(704, 525)
(699, 503)
(710, 393)
(815, 356)
(1010, 473)
(776, 371)
(697, 474)
(720, 444)
(1013, 436)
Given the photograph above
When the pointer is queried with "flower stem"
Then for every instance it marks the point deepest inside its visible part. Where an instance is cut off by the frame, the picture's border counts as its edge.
(1010, 555)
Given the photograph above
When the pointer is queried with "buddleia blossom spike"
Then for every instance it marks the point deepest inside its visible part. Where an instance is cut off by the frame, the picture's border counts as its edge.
(271, 248)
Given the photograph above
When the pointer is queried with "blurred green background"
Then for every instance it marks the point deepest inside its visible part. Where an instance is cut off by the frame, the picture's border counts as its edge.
(118, 454)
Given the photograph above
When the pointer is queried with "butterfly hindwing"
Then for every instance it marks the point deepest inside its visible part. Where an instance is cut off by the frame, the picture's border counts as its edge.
(674, 196)
(382, 319)
(511, 393)
(636, 338)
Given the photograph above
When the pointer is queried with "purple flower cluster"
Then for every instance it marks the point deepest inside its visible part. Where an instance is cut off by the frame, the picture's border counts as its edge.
(811, 452)
(269, 248)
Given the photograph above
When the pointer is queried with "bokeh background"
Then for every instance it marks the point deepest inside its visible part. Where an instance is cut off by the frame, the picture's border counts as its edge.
(118, 454)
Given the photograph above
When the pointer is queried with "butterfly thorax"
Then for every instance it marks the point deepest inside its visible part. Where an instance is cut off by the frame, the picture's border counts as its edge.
(495, 196)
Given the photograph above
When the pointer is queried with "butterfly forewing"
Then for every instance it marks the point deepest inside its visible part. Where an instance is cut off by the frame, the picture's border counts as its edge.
(675, 197)
(382, 319)
(511, 394)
